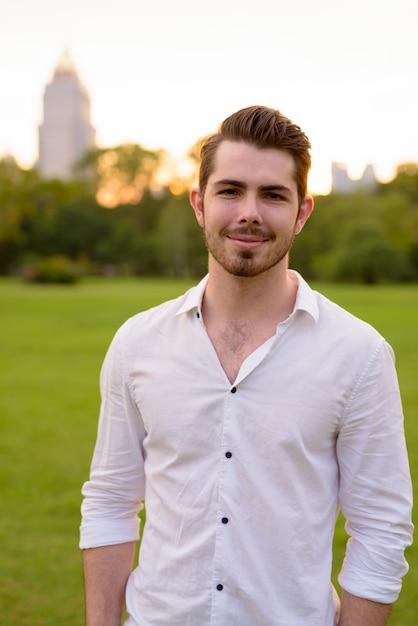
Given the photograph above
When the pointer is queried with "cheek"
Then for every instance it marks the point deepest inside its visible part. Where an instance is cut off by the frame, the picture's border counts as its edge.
(214, 220)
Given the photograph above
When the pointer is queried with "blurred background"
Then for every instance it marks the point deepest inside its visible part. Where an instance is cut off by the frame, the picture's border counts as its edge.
(105, 106)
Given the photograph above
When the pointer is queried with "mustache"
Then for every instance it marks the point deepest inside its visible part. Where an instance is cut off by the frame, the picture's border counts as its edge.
(247, 231)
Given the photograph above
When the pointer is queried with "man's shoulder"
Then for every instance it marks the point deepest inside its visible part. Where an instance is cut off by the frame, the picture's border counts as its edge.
(332, 318)
(158, 317)
(341, 322)
(156, 313)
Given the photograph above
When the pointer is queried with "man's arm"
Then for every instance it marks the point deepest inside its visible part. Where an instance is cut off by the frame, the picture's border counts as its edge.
(375, 490)
(106, 571)
(113, 494)
(360, 612)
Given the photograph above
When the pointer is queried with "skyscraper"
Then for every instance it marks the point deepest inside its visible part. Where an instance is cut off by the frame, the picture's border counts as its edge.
(343, 184)
(66, 132)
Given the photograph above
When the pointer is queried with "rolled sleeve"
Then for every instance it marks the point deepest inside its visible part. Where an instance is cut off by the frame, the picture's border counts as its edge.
(113, 495)
(375, 483)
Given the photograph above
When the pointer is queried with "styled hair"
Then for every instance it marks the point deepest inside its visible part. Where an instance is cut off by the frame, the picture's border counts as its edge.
(263, 128)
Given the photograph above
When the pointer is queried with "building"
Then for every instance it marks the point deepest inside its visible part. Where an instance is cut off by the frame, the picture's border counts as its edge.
(66, 133)
(342, 183)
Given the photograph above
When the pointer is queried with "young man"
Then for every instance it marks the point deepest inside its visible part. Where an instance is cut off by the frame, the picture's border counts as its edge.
(244, 414)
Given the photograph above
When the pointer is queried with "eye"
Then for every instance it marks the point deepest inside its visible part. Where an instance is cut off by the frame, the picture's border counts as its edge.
(273, 195)
(228, 192)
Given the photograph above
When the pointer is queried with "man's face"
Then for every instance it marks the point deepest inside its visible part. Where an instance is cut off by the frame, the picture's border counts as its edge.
(250, 211)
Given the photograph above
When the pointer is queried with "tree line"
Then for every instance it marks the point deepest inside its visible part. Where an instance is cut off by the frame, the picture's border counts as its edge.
(59, 230)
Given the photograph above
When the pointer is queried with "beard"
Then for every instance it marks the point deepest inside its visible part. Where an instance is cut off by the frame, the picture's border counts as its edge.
(248, 263)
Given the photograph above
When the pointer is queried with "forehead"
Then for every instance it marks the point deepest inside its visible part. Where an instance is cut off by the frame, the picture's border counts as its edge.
(238, 160)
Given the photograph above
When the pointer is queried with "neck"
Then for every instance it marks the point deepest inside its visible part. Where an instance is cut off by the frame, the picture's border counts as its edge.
(270, 295)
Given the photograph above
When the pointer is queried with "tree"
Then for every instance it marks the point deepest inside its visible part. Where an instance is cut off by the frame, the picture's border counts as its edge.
(121, 174)
(361, 237)
(405, 181)
(182, 250)
(17, 187)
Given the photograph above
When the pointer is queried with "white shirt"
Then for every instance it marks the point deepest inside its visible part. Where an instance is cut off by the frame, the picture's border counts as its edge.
(243, 482)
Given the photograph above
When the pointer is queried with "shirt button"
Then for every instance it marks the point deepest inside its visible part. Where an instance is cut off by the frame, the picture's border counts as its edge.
(233, 390)
(225, 520)
(219, 587)
(228, 454)
(198, 314)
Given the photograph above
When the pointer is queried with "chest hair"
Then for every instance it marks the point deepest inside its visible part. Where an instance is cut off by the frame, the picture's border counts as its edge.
(234, 343)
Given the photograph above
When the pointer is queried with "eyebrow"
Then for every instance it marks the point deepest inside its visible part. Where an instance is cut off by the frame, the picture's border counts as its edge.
(241, 185)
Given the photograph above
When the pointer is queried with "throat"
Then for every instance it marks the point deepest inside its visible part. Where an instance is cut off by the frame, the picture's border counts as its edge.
(239, 319)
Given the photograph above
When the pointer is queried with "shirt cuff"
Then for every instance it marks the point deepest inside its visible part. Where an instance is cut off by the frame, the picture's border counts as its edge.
(108, 533)
(376, 587)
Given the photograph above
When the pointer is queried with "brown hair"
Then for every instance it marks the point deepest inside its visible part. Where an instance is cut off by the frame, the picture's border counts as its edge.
(264, 128)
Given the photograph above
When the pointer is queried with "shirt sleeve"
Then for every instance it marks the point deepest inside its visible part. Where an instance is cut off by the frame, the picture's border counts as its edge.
(375, 483)
(113, 495)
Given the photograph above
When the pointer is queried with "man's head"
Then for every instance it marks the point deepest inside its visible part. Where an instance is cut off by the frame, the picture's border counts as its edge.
(263, 128)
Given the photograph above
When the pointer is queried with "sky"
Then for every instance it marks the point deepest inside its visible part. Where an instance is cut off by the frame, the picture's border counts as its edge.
(164, 73)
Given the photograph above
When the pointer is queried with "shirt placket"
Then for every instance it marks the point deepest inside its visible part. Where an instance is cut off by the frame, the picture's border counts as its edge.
(224, 523)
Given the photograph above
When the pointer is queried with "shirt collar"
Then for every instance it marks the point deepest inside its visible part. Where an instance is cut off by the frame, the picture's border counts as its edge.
(194, 297)
(305, 298)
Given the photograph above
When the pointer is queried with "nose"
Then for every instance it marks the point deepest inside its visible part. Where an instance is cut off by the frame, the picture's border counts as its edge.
(249, 212)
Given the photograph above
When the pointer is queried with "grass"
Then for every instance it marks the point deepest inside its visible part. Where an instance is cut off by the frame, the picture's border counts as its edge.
(53, 340)
(393, 310)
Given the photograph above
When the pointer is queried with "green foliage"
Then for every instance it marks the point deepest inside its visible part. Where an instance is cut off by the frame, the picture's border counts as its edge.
(48, 218)
(122, 173)
(406, 181)
(369, 237)
(53, 342)
(180, 238)
(365, 257)
(53, 269)
(16, 208)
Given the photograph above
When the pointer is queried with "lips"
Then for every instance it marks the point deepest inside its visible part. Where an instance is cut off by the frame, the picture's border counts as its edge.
(246, 236)
(246, 241)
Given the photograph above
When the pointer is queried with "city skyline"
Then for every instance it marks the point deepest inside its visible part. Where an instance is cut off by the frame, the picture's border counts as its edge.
(164, 76)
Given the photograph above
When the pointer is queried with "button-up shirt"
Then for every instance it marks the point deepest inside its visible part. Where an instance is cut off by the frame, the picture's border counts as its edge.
(243, 482)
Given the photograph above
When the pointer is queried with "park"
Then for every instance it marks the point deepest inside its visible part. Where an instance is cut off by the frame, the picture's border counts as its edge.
(53, 340)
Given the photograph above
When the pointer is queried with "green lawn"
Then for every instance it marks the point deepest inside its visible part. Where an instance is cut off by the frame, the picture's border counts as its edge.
(52, 341)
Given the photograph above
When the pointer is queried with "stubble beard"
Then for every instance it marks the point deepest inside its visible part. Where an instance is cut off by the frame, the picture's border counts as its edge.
(244, 263)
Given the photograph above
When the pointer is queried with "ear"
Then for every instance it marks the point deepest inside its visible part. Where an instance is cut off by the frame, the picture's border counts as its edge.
(196, 201)
(305, 210)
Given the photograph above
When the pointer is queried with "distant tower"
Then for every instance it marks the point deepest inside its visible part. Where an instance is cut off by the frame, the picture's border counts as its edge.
(369, 177)
(342, 183)
(66, 133)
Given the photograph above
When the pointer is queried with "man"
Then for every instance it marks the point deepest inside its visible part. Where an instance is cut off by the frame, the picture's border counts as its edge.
(244, 414)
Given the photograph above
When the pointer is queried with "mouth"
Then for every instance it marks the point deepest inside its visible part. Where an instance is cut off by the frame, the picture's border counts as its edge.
(247, 240)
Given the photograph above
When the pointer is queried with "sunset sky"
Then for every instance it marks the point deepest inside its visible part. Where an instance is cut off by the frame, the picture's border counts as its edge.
(164, 73)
